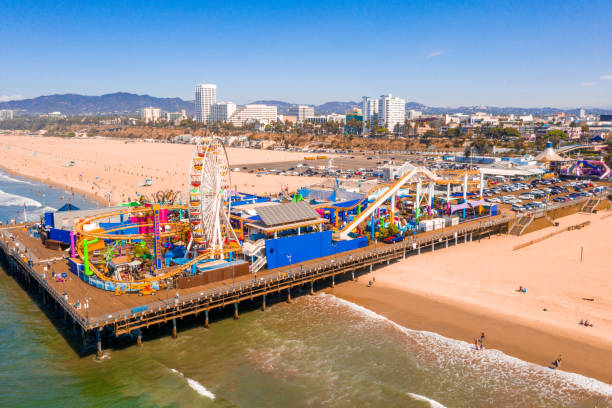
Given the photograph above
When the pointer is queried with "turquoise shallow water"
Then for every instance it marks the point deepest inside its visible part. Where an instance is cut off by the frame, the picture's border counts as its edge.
(317, 351)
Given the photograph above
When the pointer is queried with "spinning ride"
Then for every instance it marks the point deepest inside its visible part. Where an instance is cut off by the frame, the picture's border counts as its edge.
(209, 199)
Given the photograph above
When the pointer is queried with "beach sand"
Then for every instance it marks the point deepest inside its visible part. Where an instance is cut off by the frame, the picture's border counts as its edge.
(460, 291)
(118, 166)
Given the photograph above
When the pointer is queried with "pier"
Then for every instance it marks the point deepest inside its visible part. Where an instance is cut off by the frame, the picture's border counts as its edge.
(97, 313)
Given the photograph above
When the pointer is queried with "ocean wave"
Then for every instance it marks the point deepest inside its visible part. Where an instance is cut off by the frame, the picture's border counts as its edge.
(493, 362)
(6, 177)
(8, 199)
(196, 386)
(432, 403)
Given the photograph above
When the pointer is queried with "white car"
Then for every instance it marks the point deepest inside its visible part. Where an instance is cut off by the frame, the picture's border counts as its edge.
(493, 200)
(526, 196)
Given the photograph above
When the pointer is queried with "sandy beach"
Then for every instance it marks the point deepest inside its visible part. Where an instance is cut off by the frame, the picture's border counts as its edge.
(117, 167)
(460, 291)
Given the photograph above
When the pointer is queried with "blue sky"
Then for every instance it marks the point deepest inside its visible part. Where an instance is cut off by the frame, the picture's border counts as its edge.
(448, 53)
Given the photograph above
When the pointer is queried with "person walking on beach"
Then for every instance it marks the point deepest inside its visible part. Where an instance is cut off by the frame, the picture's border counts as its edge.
(556, 364)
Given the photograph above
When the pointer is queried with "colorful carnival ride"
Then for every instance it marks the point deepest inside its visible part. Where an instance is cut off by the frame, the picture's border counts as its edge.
(138, 248)
(587, 168)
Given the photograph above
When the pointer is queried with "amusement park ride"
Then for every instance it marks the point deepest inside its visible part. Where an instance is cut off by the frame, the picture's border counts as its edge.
(129, 256)
(157, 240)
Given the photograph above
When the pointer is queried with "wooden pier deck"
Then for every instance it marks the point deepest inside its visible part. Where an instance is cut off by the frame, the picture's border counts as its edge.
(32, 263)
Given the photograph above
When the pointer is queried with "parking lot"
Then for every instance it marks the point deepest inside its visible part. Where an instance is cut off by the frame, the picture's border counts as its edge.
(539, 193)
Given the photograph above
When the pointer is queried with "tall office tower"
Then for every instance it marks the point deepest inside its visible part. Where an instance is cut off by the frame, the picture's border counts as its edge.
(205, 96)
(370, 113)
(582, 113)
(392, 112)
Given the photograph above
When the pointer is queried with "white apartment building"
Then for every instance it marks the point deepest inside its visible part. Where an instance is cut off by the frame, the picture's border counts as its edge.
(370, 113)
(205, 96)
(301, 112)
(414, 114)
(222, 111)
(6, 114)
(254, 112)
(391, 112)
(151, 114)
(176, 117)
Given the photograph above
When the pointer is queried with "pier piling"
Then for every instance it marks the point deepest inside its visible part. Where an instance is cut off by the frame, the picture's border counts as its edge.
(206, 318)
(333, 280)
(139, 338)
(312, 287)
(174, 335)
(98, 344)
(288, 295)
(236, 311)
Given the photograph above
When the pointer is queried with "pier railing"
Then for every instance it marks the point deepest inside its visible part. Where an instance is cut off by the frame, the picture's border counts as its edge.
(277, 280)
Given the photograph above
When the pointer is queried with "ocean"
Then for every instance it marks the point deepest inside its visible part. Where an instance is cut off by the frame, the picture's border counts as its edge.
(317, 351)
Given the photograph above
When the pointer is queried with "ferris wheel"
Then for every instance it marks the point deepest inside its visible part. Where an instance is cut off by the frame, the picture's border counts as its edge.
(209, 197)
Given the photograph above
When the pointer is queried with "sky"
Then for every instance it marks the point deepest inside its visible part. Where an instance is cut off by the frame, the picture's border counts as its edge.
(448, 53)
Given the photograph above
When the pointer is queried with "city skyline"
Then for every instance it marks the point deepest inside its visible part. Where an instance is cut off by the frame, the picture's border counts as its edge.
(451, 54)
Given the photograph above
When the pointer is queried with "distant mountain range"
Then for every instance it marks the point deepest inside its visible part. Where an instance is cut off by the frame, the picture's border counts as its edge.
(127, 103)
(111, 104)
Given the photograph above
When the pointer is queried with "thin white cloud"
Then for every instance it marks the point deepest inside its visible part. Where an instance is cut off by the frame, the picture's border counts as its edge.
(588, 83)
(434, 54)
(609, 77)
(6, 98)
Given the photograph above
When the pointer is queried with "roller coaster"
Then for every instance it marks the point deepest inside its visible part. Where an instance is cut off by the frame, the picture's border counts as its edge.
(154, 229)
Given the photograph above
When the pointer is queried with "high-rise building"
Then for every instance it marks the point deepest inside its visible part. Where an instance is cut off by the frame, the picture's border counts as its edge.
(391, 112)
(6, 114)
(151, 114)
(582, 113)
(205, 96)
(263, 114)
(370, 114)
(222, 111)
(301, 112)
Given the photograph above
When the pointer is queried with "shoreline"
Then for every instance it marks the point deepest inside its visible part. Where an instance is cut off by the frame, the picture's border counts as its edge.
(524, 332)
(525, 342)
(57, 184)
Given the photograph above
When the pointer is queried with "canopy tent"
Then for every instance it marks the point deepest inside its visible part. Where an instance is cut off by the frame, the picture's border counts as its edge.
(459, 207)
(549, 155)
(477, 203)
(68, 207)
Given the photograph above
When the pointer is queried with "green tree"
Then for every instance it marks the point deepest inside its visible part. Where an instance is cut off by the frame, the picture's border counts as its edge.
(555, 136)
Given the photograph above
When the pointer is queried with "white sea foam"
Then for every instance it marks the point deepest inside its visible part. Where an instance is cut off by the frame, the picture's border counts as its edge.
(6, 177)
(8, 199)
(196, 386)
(432, 403)
(445, 349)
